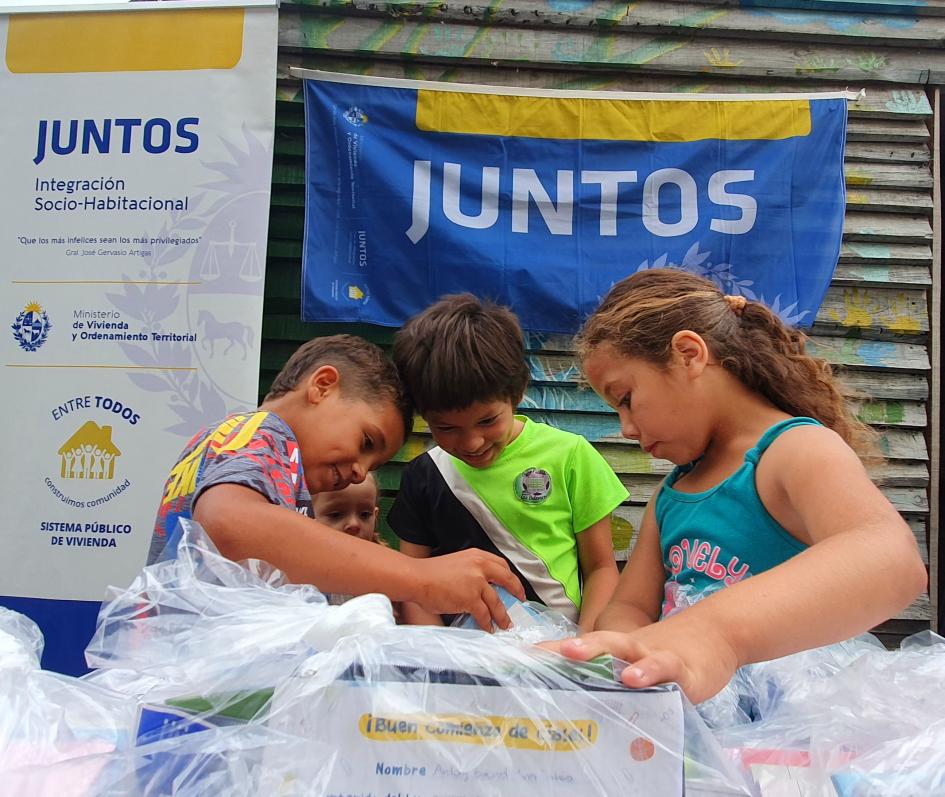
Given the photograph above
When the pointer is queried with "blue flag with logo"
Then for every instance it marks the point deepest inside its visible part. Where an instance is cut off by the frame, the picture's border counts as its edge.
(542, 199)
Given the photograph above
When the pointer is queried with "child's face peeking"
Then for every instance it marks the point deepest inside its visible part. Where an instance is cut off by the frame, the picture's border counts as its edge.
(352, 510)
(476, 434)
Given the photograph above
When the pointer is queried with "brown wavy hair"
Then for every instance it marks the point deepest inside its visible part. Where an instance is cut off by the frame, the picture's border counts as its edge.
(641, 313)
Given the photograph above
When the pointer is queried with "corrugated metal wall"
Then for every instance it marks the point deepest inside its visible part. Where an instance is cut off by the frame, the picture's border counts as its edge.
(875, 321)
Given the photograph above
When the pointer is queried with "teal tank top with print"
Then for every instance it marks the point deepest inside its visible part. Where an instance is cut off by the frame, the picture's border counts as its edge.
(725, 534)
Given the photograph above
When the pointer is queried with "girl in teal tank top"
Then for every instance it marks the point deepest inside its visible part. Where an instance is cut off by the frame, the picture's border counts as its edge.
(768, 500)
(723, 534)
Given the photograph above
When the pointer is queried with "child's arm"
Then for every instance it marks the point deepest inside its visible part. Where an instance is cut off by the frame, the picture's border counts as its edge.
(595, 549)
(862, 567)
(414, 614)
(244, 525)
(638, 597)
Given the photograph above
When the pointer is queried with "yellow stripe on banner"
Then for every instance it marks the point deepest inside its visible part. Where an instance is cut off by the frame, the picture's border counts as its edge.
(125, 41)
(611, 120)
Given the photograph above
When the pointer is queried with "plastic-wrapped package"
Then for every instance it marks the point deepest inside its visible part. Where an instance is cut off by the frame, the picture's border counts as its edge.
(202, 623)
(46, 717)
(902, 767)
(243, 761)
(21, 641)
(211, 647)
(205, 642)
(68, 737)
(845, 720)
(532, 622)
(757, 691)
(227, 680)
(849, 719)
(224, 679)
(429, 711)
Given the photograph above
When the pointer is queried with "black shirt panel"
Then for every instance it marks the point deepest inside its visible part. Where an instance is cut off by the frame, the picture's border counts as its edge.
(427, 512)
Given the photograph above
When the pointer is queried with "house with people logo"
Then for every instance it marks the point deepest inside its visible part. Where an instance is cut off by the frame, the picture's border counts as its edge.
(89, 453)
(31, 327)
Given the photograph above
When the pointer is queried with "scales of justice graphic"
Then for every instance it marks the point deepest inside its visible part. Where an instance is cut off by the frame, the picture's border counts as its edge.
(229, 257)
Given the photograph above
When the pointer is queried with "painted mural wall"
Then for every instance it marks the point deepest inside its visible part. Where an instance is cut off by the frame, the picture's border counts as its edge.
(874, 323)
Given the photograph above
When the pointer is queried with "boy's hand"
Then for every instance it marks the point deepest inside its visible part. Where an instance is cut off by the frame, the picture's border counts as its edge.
(462, 582)
(701, 663)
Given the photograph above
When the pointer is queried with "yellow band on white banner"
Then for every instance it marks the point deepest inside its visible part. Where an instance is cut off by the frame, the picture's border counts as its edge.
(611, 120)
(122, 41)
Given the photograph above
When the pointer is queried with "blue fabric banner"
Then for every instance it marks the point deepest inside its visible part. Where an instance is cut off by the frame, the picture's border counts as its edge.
(543, 199)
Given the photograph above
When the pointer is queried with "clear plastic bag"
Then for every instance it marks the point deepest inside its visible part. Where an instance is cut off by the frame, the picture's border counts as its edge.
(46, 717)
(201, 623)
(532, 622)
(848, 719)
(246, 761)
(21, 641)
(202, 633)
(901, 767)
(210, 647)
(845, 720)
(429, 711)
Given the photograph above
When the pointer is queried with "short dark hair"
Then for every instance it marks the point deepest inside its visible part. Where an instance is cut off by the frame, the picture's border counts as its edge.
(365, 372)
(460, 351)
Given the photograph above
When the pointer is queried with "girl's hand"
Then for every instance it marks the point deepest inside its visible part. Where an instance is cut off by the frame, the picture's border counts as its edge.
(700, 661)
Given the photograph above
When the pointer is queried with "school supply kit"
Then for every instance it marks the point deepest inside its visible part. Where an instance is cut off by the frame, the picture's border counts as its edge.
(214, 677)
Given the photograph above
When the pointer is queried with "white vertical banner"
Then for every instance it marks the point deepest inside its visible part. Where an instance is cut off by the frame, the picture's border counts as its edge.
(135, 170)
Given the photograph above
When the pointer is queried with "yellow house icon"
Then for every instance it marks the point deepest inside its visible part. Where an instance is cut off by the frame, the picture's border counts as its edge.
(89, 453)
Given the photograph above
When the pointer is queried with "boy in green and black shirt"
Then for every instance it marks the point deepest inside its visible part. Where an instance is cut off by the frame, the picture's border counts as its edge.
(537, 496)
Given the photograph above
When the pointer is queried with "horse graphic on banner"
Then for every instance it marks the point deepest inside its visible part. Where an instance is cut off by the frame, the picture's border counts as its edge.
(233, 332)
